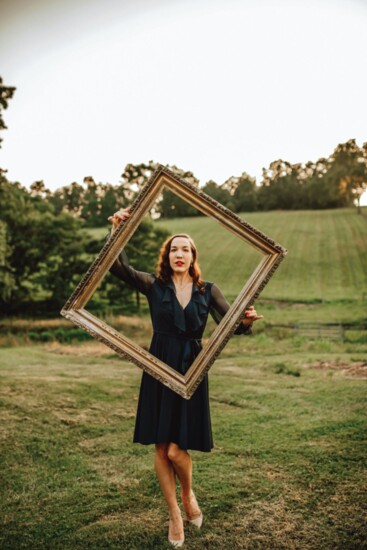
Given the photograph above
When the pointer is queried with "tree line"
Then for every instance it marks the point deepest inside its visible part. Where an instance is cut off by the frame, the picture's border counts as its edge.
(44, 254)
(45, 247)
(333, 182)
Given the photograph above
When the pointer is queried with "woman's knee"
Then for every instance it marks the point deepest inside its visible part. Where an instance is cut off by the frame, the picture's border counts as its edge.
(161, 450)
(174, 452)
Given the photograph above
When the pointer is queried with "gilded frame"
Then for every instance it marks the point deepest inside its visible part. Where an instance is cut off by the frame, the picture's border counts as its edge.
(74, 309)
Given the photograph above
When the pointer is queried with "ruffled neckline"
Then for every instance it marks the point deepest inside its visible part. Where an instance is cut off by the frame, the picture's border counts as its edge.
(197, 301)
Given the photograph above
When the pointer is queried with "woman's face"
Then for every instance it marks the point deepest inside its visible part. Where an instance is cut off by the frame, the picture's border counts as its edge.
(180, 255)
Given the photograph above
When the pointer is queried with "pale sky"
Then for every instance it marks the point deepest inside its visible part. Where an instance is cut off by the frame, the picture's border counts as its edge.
(213, 86)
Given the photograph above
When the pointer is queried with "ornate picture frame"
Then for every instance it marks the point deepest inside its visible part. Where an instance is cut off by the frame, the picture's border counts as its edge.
(74, 309)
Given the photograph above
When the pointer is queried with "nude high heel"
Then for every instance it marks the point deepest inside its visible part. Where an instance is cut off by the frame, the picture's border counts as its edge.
(178, 542)
(198, 521)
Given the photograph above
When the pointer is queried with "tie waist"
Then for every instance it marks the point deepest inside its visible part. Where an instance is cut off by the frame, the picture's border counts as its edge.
(183, 337)
(190, 349)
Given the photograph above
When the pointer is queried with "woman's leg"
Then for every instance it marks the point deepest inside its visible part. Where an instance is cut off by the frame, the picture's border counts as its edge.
(167, 479)
(182, 464)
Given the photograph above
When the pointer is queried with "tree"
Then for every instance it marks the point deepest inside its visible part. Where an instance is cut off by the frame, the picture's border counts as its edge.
(6, 93)
(111, 200)
(74, 198)
(44, 254)
(245, 194)
(348, 172)
(218, 193)
(172, 206)
(38, 189)
(281, 187)
(40, 195)
(61, 266)
(135, 176)
(91, 203)
(338, 180)
(319, 190)
(7, 281)
(360, 183)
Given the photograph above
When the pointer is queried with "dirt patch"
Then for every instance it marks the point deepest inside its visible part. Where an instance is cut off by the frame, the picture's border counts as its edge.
(146, 520)
(91, 349)
(356, 369)
(267, 523)
(32, 324)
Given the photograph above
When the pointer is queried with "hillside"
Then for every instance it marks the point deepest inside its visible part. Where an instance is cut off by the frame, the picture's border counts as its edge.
(327, 253)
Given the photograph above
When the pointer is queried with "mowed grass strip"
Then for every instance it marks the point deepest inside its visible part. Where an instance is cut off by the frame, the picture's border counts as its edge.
(327, 253)
(288, 468)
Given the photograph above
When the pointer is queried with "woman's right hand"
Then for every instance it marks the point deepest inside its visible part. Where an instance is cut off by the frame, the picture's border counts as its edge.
(119, 216)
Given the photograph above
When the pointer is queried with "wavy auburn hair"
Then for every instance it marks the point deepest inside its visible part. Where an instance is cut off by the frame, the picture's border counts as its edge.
(165, 272)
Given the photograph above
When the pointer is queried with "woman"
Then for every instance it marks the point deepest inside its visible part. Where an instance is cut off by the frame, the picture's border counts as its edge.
(179, 302)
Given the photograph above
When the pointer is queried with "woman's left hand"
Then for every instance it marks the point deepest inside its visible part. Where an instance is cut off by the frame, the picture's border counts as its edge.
(118, 217)
(251, 316)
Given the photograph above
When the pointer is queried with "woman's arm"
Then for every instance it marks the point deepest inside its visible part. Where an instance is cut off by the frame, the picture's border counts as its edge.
(121, 268)
(220, 306)
(137, 279)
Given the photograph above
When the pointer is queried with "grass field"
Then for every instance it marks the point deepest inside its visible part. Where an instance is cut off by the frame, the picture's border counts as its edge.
(287, 471)
(326, 261)
(289, 413)
(327, 253)
(322, 279)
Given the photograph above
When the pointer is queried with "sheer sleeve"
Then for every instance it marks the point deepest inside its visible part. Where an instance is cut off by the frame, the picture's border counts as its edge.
(219, 307)
(137, 279)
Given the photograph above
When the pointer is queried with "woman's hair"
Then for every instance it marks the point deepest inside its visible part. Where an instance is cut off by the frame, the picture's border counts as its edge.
(164, 272)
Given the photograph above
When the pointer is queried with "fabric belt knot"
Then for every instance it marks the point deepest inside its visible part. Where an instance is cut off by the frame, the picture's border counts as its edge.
(184, 337)
(191, 349)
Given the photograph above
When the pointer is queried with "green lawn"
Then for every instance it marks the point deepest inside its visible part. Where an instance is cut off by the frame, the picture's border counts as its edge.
(326, 261)
(288, 469)
(322, 279)
(327, 253)
(289, 413)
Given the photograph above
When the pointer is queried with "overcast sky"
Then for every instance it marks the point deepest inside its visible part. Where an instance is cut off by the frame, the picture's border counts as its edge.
(214, 86)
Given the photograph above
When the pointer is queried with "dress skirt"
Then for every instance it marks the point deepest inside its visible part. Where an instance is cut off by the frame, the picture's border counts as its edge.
(163, 416)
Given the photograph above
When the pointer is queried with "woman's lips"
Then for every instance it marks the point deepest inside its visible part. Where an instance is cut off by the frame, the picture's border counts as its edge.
(179, 264)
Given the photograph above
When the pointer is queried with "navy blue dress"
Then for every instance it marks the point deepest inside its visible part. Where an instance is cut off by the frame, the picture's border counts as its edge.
(163, 416)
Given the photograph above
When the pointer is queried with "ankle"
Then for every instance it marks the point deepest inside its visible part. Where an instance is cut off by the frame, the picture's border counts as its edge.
(174, 512)
(191, 506)
(188, 497)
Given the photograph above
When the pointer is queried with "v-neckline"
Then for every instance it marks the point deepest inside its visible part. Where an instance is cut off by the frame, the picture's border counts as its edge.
(186, 306)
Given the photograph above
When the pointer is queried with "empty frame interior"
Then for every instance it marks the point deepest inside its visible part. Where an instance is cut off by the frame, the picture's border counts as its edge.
(271, 255)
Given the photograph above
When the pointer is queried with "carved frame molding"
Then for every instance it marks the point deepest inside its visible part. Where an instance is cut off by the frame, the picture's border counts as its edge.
(74, 309)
